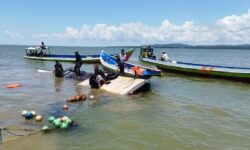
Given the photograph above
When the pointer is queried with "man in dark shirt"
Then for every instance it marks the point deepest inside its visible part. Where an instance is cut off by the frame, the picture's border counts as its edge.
(58, 70)
(98, 71)
(78, 64)
(43, 46)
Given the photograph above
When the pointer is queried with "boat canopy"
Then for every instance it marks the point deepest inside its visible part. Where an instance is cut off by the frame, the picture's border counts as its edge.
(36, 48)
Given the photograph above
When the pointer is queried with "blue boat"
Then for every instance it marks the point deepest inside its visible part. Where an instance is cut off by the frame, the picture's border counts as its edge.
(110, 63)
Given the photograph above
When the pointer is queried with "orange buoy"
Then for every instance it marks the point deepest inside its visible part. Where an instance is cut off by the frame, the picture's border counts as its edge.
(13, 85)
(76, 98)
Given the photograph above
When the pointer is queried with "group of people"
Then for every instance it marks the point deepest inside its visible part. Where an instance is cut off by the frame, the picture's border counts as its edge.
(98, 78)
(147, 52)
(36, 53)
(59, 71)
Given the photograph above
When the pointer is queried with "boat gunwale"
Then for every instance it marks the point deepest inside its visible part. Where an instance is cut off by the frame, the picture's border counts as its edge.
(202, 73)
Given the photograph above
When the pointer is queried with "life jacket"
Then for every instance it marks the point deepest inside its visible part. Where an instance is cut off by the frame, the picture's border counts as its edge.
(138, 70)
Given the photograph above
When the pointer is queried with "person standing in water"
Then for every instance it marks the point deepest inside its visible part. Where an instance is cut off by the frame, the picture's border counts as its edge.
(78, 64)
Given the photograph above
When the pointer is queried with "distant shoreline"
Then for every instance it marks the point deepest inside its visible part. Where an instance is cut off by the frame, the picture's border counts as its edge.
(184, 46)
(242, 46)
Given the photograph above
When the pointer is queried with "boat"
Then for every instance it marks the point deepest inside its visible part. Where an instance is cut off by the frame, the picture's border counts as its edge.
(110, 62)
(195, 69)
(122, 85)
(66, 58)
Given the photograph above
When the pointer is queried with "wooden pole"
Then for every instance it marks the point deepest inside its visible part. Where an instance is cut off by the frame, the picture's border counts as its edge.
(1, 136)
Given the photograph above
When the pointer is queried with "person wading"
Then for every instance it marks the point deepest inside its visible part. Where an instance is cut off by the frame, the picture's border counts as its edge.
(78, 64)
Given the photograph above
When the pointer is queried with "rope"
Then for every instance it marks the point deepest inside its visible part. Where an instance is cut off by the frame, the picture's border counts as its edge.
(17, 129)
(8, 130)
(12, 133)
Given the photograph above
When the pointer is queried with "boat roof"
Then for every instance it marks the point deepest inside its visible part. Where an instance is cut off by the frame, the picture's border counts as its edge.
(36, 48)
(147, 47)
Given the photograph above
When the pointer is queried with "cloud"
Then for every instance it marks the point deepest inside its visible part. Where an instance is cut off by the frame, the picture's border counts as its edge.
(228, 30)
(11, 34)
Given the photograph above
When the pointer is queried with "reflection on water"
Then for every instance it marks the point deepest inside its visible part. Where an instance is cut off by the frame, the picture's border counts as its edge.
(123, 107)
(58, 84)
(181, 112)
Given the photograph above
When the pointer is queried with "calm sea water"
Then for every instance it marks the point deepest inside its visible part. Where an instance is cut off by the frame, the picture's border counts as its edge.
(180, 112)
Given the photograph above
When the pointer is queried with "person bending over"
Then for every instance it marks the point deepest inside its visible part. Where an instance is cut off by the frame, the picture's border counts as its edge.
(58, 70)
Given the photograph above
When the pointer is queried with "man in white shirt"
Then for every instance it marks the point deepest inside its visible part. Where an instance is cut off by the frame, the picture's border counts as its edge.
(164, 57)
(123, 56)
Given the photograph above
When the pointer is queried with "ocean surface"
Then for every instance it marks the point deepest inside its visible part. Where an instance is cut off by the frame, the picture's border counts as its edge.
(180, 112)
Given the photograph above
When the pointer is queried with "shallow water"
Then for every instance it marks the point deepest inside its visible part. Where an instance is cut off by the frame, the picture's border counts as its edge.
(180, 112)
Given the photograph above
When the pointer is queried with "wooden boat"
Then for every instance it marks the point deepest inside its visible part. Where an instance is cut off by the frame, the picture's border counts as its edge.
(202, 70)
(67, 58)
(110, 62)
(121, 85)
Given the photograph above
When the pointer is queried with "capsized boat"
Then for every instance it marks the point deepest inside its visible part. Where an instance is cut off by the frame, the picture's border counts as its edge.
(122, 85)
(202, 70)
(66, 58)
(110, 62)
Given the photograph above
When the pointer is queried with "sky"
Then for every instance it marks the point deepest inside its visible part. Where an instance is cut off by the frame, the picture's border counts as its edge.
(124, 22)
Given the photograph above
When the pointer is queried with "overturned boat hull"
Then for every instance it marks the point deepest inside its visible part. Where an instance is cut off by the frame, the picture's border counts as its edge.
(121, 85)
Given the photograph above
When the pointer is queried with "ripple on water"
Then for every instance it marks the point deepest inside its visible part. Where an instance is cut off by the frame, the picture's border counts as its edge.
(124, 107)
(208, 109)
